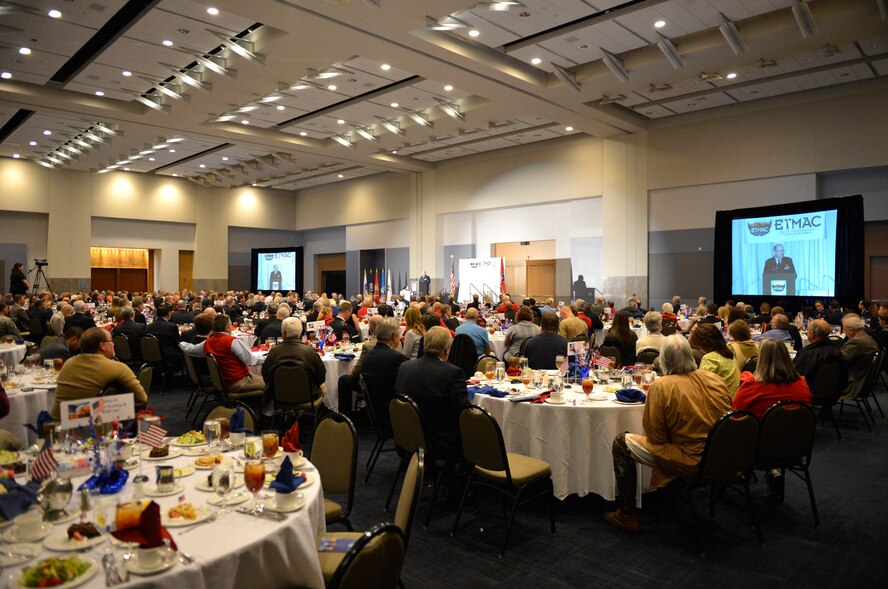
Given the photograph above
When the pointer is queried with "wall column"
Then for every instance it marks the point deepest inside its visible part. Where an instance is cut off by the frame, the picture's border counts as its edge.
(68, 229)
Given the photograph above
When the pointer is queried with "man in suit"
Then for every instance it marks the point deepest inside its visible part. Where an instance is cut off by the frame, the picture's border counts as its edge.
(834, 316)
(138, 307)
(712, 316)
(274, 327)
(818, 351)
(167, 334)
(275, 279)
(425, 282)
(293, 350)
(380, 367)
(474, 304)
(439, 389)
(344, 323)
(858, 350)
(131, 330)
(182, 315)
(779, 263)
(65, 347)
(18, 313)
(7, 325)
(79, 318)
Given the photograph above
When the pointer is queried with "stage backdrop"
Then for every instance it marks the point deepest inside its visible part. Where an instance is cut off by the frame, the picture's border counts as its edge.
(479, 276)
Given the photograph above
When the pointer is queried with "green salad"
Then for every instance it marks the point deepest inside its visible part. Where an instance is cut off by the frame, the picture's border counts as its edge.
(53, 571)
(192, 438)
(8, 456)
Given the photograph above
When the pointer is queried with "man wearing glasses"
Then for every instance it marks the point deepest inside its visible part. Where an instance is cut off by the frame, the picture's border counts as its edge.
(94, 369)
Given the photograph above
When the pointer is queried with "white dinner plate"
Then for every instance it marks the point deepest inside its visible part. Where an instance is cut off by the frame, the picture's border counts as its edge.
(204, 485)
(132, 565)
(233, 499)
(272, 505)
(174, 453)
(202, 511)
(551, 402)
(599, 396)
(59, 542)
(15, 579)
(152, 491)
(20, 553)
(12, 534)
(628, 402)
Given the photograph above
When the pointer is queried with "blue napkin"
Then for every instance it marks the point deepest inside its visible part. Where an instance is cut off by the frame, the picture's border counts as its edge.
(285, 482)
(20, 341)
(631, 396)
(42, 418)
(484, 390)
(344, 356)
(18, 498)
(236, 422)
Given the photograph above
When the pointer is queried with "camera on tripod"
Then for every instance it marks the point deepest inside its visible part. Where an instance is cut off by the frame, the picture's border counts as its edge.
(40, 263)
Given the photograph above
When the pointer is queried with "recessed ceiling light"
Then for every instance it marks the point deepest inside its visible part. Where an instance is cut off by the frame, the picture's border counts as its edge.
(5, 75)
(448, 88)
(126, 169)
(385, 67)
(474, 33)
(202, 166)
(25, 51)
(55, 13)
(15, 156)
(224, 158)
(172, 151)
(126, 73)
(47, 132)
(32, 143)
(280, 107)
(660, 24)
(213, 11)
(303, 133)
(394, 152)
(99, 93)
(254, 184)
(568, 129)
(331, 87)
(245, 122)
(731, 75)
(340, 176)
(175, 175)
(536, 61)
(150, 159)
(167, 42)
(395, 105)
(340, 122)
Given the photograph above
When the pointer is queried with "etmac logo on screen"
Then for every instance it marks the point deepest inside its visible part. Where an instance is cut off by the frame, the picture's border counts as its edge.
(760, 228)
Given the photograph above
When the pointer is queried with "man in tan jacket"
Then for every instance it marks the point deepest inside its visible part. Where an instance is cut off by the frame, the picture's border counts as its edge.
(571, 326)
(83, 376)
(681, 408)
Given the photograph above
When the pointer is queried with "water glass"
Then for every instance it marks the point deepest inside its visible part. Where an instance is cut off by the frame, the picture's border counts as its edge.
(253, 447)
(212, 431)
(500, 371)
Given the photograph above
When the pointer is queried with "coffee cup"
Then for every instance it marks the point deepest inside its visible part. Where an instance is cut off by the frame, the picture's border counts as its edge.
(151, 558)
(295, 457)
(557, 397)
(288, 500)
(29, 525)
(478, 375)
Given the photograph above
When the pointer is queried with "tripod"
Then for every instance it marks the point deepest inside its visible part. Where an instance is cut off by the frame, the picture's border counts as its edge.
(38, 272)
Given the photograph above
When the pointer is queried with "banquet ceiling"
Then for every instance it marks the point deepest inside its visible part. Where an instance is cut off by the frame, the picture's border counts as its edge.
(291, 94)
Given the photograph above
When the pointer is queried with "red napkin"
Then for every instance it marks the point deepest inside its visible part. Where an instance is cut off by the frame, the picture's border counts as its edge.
(543, 397)
(149, 533)
(513, 371)
(290, 443)
(472, 381)
(260, 348)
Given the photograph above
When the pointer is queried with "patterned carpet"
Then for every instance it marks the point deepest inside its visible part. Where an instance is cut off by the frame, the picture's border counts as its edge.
(848, 550)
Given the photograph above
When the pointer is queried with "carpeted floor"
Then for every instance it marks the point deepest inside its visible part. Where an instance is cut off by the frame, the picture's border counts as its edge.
(850, 477)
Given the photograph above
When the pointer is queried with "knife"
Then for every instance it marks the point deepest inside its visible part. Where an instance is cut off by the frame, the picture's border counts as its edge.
(270, 515)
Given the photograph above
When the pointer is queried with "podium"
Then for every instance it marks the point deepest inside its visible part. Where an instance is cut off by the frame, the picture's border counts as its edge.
(778, 283)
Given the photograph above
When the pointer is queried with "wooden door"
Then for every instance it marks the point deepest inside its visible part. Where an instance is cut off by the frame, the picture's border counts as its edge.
(328, 263)
(103, 279)
(186, 269)
(540, 278)
(878, 279)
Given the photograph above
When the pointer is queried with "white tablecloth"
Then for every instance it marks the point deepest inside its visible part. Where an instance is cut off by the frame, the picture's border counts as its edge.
(334, 366)
(12, 354)
(498, 345)
(575, 440)
(25, 406)
(236, 550)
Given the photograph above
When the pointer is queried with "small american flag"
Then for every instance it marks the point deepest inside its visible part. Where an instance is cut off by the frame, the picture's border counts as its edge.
(565, 366)
(331, 337)
(153, 436)
(601, 361)
(43, 465)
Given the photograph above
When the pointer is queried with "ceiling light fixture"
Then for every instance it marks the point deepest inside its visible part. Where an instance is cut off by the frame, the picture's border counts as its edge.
(82, 143)
(280, 107)
(420, 118)
(245, 122)
(45, 165)
(502, 5)
(175, 175)
(202, 166)
(802, 13)
(659, 24)
(6, 75)
(390, 126)
(343, 141)
(175, 139)
(167, 42)
(99, 93)
(302, 133)
(448, 23)
(151, 159)
(365, 133)
(670, 52)
(55, 13)
(732, 36)
(212, 65)
(731, 75)
(394, 105)
(536, 61)
(474, 33)
(212, 11)
(149, 102)
(167, 91)
(567, 78)
(340, 176)
(448, 88)
(32, 143)
(146, 152)
(25, 51)
(47, 132)
(15, 156)
(331, 87)
(340, 122)
(223, 119)
(385, 67)
(126, 73)
(247, 108)
(172, 151)
(73, 149)
(615, 65)
(105, 129)
(224, 158)
(450, 110)
(568, 129)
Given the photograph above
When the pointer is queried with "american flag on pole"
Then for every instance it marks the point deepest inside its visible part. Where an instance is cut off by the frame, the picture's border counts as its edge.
(601, 361)
(331, 337)
(153, 436)
(565, 366)
(502, 275)
(452, 278)
(44, 465)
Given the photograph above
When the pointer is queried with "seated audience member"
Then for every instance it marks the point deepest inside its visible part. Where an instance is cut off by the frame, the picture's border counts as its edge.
(345, 323)
(778, 331)
(272, 329)
(542, 349)
(182, 316)
(413, 331)
(717, 358)
(7, 325)
(676, 303)
(834, 315)
(793, 331)
(592, 321)
(474, 304)
(623, 338)
(92, 370)
(138, 308)
(295, 351)
(79, 318)
(670, 320)
(571, 327)
(775, 379)
(712, 316)
(549, 307)
(203, 327)
(449, 321)
(743, 348)
(57, 321)
(631, 309)
(380, 367)
(476, 332)
(8, 440)
(66, 346)
(653, 322)
(18, 314)
(348, 383)
(881, 335)
(232, 355)
(131, 330)
(764, 316)
(313, 315)
(737, 313)
(681, 408)
(439, 389)
(522, 330)
(858, 350)
(167, 334)
(819, 350)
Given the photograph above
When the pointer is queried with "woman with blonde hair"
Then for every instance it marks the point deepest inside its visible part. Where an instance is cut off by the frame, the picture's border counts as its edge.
(743, 347)
(415, 331)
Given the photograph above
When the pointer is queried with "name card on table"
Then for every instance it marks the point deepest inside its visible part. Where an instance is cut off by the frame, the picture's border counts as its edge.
(97, 410)
(316, 326)
(576, 348)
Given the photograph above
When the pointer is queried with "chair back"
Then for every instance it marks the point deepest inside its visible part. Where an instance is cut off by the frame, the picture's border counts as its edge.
(35, 328)
(522, 349)
(464, 354)
(613, 353)
(373, 562)
(122, 348)
(407, 428)
(730, 448)
(151, 350)
(215, 372)
(482, 440)
(580, 337)
(334, 452)
(191, 370)
(861, 386)
(199, 373)
(827, 384)
(228, 409)
(378, 396)
(145, 375)
(875, 370)
(290, 384)
(787, 435)
(668, 327)
(411, 489)
(48, 339)
(648, 356)
(481, 363)
(836, 340)
(750, 365)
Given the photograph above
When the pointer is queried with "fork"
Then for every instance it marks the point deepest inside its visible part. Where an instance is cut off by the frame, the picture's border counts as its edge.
(210, 518)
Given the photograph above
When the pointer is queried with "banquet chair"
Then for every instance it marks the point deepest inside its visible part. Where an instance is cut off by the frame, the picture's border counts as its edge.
(786, 442)
(152, 355)
(522, 349)
(48, 339)
(373, 562)
(219, 386)
(228, 408)
(519, 477)
(145, 375)
(201, 385)
(377, 403)
(836, 340)
(291, 389)
(464, 354)
(122, 349)
(728, 459)
(481, 363)
(826, 387)
(750, 364)
(36, 330)
(862, 390)
(668, 327)
(404, 515)
(334, 453)
(613, 353)
(647, 356)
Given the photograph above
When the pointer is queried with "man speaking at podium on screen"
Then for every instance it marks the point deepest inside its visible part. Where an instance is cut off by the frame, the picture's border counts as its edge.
(779, 263)
(276, 278)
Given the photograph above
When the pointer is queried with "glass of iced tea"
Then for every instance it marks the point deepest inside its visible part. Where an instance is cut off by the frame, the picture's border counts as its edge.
(225, 426)
(646, 381)
(526, 376)
(490, 369)
(57, 364)
(254, 478)
(270, 443)
(637, 375)
(588, 385)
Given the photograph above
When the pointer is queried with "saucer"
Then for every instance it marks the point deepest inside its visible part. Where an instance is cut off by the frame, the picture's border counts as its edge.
(19, 553)
(274, 507)
(60, 542)
(11, 536)
(551, 402)
(153, 492)
(233, 499)
(132, 565)
(599, 397)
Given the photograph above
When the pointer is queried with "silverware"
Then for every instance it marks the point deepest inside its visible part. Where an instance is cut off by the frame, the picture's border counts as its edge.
(11, 554)
(184, 558)
(270, 515)
(210, 518)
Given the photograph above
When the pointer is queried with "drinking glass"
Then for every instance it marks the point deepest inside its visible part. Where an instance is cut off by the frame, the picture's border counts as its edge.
(637, 377)
(647, 381)
(626, 380)
(559, 364)
(253, 447)
(537, 379)
(254, 478)
(223, 481)
(526, 377)
(490, 369)
(47, 366)
(212, 432)
(522, 364)
(588, 385)
(225, 428)
(500, 371)
(270, 444)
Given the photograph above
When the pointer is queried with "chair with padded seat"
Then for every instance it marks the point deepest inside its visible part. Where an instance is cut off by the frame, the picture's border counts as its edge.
(220, 387)
(152, 355)
(293, 393)
(36, 330)
(750, 365)
(613, 353)
(334, 453)
(786, 442)
(145, 376)
(481, 363)
(519, 477)
(122, 349)
(404, 514)
(373, 562)
(201, 385)
(647, 355)
(861, 391)
(377, 399)
(48, 339)
(827, 383)
(464, 354)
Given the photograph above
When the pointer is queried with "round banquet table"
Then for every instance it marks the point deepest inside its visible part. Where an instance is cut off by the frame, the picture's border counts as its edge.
(575, 439)
(25, 406)
(498, 345)
(12, 354)
(235, 551)
(334, 366)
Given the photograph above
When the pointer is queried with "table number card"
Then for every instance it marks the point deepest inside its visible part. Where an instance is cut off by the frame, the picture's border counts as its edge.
(97, 410)
(316, 326)
(576, 349)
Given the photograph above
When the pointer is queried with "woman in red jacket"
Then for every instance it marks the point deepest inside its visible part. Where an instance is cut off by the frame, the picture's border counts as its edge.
(775, 380)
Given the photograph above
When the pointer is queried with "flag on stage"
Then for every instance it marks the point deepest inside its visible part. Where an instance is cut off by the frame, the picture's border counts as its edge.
(452, 279)
(376, 283)
(364, 285)
(388, 291)
(44, 465)
(152, 436)
(502, 275)
(382, 284)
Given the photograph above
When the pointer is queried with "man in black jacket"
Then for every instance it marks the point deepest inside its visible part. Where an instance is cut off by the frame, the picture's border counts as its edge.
(132, 331)
(79, 318)
(818, 351)
(182, 315)
(167, 334)
(344, 323)
(380, 366)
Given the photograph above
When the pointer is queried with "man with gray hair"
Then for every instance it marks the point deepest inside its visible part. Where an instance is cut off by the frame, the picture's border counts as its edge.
(632, 309)
(818, 352)
(439, 388)
(779, 330)
(132, 331)
(653, 322)
(57, 321)
(681, 408)
(858, 350)
(79, 318)
(293, 350)
(381, 365)
(274, 328)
